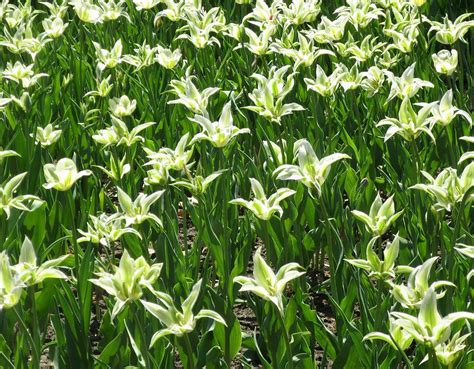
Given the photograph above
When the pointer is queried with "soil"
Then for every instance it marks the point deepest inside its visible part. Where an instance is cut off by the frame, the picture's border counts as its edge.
(244, 314)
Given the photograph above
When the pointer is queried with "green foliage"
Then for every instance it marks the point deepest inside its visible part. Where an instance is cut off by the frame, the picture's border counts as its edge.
(131, 129)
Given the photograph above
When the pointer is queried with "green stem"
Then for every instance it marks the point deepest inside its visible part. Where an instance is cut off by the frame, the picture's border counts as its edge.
(35, 325)
(286, 336)
(75, 246)
(189, 352)
(402, 352)
(417, 161)
(331, 259)
(434, 363)
(378, 319)
(34, 348)
(139, 319)
(266, 241)
(72, 213)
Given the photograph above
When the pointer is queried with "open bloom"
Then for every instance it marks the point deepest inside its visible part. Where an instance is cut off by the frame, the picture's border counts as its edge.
(261, 206)
(189, 96)
(106, 58)
(449, 32)
(46, 136)
(54, 26)
(23, 202)
(62, 175)
(138, 210)
(269, 95)
(127, 282)
(201, 25)
(409, 124)
(328, 31)
(219, 133)
(198, 184)
(86, 11)
(468, 154)
(444, 111)
(105, 229)
(406, 86)
(311, 171)
(449, 352)
(381, 215)
(380, 269)
(412, 294)
(178, 321)
(145, 4)
(119, 134)
(30, 272)
(122, 106)
(265, 283)
(23, 74)
(167, 58)
(171, 159)
(301, 11)
(448, 188)
(323, 84)
(429, 327)
(305, 54)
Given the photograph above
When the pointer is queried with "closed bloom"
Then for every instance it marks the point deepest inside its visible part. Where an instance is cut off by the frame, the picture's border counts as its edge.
(62, 175)
(445, 61)
(398, 337)
(86, 11)
(11, 286)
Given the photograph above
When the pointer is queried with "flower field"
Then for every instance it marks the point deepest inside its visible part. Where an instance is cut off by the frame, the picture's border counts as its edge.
(237, 184)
